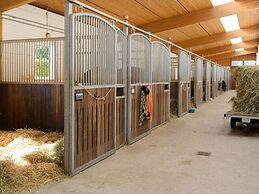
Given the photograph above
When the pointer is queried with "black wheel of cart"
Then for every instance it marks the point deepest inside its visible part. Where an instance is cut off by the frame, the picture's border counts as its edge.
(246, 129)
(232, 123)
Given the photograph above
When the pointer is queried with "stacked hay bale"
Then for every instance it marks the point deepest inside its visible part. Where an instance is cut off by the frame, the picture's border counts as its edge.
(247, 87)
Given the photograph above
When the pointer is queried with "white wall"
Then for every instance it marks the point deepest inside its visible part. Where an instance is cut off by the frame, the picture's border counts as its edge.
(13, 30)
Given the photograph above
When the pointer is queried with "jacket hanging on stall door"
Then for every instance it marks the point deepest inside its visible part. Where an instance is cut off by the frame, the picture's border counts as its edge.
(149, 103)
(142, 109)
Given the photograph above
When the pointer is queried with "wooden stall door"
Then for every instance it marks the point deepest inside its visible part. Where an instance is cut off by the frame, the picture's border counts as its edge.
(184, 98)
(137, 130)
(94, 125)
(160, 112)
(120, 122)
(208, 91)
(198, 93)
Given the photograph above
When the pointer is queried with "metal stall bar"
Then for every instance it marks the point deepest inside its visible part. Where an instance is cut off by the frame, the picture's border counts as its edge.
(32, 60)
(214, 84)
(184, 82)
(207, 81)
(198, 81)
(140, 78)
(160, 84)
(121, 98)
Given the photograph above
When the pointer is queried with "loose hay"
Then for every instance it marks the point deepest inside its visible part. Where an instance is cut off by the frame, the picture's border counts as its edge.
(29, 159)
(247, 87)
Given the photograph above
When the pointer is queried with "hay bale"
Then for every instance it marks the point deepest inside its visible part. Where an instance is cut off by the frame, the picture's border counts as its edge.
(247, 87)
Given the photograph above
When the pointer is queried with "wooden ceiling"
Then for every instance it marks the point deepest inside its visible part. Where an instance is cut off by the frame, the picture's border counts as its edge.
(193, 24)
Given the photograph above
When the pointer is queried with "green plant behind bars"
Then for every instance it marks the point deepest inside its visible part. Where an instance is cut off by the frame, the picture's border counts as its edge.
(42, 61)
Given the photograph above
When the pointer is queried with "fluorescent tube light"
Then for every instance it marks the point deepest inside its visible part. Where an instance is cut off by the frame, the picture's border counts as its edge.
(236, 40)
(239, 50)
(220, 2)
(230, 23)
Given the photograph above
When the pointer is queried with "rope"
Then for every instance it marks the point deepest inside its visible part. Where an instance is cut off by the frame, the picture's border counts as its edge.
(99, 97)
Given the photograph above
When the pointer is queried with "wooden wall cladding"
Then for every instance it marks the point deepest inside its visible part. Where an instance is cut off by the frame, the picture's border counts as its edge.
(37, 106)
(94, 125)
(160, 98)
(136, 129)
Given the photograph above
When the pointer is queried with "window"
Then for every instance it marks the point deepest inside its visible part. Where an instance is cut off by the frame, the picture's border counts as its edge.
(44, 62)
(237, 63)
(249, 63)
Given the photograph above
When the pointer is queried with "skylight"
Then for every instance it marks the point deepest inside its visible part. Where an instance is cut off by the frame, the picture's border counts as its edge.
(230, 23)
(236, 40)
(220, 2)
(239, 50)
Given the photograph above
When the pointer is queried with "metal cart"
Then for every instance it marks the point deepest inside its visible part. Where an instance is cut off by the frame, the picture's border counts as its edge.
(246, 119)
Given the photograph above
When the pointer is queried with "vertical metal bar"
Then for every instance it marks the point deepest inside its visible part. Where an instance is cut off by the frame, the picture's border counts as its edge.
(69, 91)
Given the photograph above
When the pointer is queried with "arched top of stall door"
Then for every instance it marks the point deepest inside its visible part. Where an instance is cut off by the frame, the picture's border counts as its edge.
(208, 71)
(184, 64)
(218, 73)
(140, 59)
(93, 50)
(214, 72)
(198, 69)
(160, 62)
(95, 19)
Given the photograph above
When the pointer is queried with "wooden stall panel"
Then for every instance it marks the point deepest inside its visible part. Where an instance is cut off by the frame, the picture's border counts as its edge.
(136, 129)
(214, 89)
(120, 122)
(160, 100)
(208, 90)
(174, 98)
(198, 93)
(94, 125)
(184, 100)
(37, 106)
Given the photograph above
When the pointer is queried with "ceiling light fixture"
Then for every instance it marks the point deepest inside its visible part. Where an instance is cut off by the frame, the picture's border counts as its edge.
(220, 2)
(230, 23)
(239, 50)
(236, 40)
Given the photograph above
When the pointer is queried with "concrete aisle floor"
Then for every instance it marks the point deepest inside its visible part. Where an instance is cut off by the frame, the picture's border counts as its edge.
(166, 160)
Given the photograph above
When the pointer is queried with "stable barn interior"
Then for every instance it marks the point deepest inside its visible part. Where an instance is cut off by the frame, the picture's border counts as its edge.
(100, 85)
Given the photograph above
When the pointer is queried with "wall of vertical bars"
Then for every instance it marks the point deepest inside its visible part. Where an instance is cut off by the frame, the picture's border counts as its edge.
(32, 61)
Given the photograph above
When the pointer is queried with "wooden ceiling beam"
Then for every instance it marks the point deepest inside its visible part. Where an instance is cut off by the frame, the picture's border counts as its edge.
(232, 54)
(220, 37)
(6, 5)
(228, 48)
(200, 16)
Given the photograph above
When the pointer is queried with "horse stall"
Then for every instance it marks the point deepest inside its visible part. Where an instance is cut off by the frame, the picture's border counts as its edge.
(160, 84)
(31, 112)
(184, 82)
(140, 83)
(207, 80)
(198, 81)
(31, 84)
(214, 84)
(174, 84)
(95, 90)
